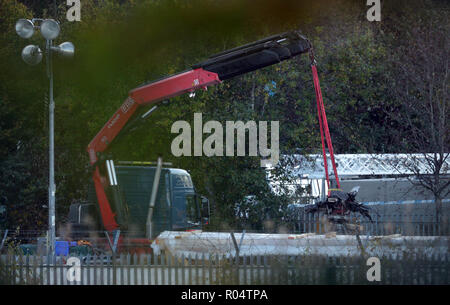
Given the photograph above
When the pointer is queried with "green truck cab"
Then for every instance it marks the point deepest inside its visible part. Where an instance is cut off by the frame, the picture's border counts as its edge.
(177, 205)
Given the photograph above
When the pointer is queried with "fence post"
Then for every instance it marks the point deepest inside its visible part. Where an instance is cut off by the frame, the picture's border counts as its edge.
(102, 270)
(286, 266)
(149, 269)
(155, 268)
(114, 268)
(235, 263)
(163, 269)
(197, 265)
(9, 268)
(190, 268)
(128, 267)
(28, 278)
(223, 263)
(210, 267)
(252, 269)
(82, 269)
(298, 270)
(21, 281)
(433, 267)
(447, 267)
(35, 282)
(195, 269)
(135, 268)
(122, 267)
(394, 270)
(61, 269)
(169, 269)
(41, 270)
(54, 269)
(203, 269)
(141, 266)
(93, 266)
(183, 269)
(87, 268)
(340, 273)
(416, 278)
(176, 265)
(439, 268)
(332, 266)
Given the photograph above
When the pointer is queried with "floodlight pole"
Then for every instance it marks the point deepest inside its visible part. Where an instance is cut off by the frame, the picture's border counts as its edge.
(51, 159)
(67, 49)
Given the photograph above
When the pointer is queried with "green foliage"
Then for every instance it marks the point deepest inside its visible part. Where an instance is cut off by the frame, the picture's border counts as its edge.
(24, 188)
(352, 67)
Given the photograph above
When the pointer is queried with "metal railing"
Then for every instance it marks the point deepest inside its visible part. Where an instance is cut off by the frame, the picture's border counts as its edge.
(148, 269)
(407, 225)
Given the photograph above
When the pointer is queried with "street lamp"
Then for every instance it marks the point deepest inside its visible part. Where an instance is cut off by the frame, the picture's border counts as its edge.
(32, 55)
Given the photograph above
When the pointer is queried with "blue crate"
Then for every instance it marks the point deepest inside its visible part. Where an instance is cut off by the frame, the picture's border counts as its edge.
(62, 248)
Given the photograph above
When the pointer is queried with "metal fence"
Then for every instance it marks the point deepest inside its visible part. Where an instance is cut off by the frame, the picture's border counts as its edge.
(415, 225)
(156, 270)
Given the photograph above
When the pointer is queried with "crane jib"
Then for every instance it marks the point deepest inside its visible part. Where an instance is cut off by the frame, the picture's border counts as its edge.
(219, 67)
(256, 55)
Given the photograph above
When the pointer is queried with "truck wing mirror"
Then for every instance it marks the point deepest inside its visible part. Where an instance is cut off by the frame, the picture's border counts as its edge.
(205, 209)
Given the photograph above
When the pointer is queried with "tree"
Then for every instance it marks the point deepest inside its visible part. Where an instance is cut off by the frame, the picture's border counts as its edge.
(420, 86)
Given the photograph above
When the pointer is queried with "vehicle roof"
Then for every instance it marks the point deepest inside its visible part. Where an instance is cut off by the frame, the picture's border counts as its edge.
(177, 171)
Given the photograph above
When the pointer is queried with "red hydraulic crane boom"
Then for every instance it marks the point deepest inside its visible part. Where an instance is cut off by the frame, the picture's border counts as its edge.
(148, 94)
(215, 69)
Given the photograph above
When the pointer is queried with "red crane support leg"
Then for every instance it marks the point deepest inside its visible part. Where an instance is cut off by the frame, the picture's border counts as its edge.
(323, 124)
(324, 154)
(107, 214)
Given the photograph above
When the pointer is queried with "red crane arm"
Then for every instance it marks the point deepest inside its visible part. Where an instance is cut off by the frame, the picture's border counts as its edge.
(219, 67)
(148, 94)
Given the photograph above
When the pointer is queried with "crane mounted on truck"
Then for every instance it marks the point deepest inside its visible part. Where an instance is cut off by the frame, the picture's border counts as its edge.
(113, 208)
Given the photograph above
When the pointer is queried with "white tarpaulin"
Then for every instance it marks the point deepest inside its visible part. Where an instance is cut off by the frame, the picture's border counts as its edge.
(214, 243)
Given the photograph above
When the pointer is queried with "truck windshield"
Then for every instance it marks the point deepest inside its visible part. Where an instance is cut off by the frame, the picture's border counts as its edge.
(185, 212)
(182, 181)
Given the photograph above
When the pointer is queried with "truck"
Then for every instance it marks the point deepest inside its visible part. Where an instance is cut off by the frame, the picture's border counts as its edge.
(134, 202)
(177, 206)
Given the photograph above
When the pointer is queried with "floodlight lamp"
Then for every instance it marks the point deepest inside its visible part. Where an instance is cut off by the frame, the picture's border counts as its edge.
(32, 54)
(24, 28)
(66, 49)
(50, 29)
